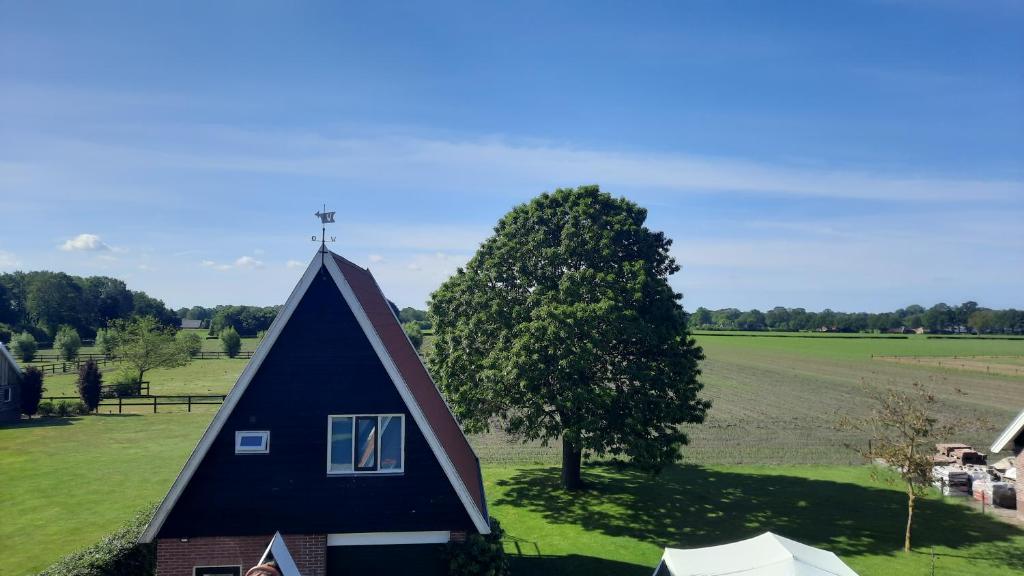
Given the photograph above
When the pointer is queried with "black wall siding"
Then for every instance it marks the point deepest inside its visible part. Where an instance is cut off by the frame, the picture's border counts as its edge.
(321, 364)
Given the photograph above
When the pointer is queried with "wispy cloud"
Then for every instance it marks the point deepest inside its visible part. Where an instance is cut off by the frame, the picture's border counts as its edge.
(291, 264)
(8, 260)
(495, 164)
(85, 243)
(242, 263)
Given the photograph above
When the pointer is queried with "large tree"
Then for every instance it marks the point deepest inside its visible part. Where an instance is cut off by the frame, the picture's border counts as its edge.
(563, 325)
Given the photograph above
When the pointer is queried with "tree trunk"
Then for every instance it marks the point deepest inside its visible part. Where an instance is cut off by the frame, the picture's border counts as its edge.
(910, 519)
(571, 462)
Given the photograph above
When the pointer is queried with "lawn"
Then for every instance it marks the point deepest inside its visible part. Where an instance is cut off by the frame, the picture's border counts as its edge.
(77, 479)
(198, 377)
(757, 464)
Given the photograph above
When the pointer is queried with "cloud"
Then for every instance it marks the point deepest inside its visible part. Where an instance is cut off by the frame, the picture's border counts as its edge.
(8, 260)
(85, 243)
(293, 264)
(376, 258)
(500, 165)
(242, 263)
(248, 262)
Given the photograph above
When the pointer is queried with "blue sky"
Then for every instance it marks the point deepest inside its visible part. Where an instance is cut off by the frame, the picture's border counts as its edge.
(857, 155)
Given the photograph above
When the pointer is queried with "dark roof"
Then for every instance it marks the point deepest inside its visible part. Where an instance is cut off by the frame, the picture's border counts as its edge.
(185, 323)
(429, 398)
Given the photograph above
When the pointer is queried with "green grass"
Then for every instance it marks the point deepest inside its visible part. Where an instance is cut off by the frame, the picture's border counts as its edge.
(625, 518)
(77, 479)
(198, 377)
(68, 482)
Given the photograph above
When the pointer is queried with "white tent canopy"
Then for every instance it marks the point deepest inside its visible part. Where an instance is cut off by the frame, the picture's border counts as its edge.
(764, 555)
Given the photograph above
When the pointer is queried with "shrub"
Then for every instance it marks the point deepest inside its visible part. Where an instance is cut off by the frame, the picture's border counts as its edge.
(67, 343)
(119, 554)
(230, 341)
(46, 408)
(32, 392)
(5, 334)
(25, 346)
(191, 343)
(124, 385)
(90, 384)
(105, 341)
(479, 555)
(412, 330)
(62, 409)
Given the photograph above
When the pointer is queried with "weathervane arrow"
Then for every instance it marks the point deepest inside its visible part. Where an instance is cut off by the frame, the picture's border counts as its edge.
(325, 217)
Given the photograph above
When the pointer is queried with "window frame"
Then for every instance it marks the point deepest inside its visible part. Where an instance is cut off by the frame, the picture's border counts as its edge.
(8, 394)
(196, 569)
(378, 471)
(240, 451)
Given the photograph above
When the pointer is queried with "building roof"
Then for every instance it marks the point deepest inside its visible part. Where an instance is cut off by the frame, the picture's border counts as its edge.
(10, 357)
(191, 324)
(399, 358)
(1012, 431)
(415, 375)
(764, 555)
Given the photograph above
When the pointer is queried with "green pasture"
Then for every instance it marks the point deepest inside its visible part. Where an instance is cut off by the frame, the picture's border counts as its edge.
(768, 458)
(79, 478)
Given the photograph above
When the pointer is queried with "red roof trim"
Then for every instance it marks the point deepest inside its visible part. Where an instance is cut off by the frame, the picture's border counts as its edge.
(426, 393)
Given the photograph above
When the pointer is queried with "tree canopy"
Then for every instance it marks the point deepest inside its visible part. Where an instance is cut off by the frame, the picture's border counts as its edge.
(563, 325)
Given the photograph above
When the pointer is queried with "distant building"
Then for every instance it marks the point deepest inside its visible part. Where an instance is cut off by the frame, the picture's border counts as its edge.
(187, 324)
(920, 330)
(1013, 437)
(335, 436)
(10, 387)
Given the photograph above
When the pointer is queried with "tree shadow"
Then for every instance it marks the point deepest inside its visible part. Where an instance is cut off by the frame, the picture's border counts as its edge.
(42, 422)
(575, 565)
(46, 421)
(690, 506)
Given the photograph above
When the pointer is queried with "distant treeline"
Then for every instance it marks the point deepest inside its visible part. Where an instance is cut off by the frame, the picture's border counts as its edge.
(41, 302)
(251, 320)
(940, 318)
(246, 320)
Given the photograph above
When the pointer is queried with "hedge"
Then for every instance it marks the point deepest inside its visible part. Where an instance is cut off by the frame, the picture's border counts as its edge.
(119, 554)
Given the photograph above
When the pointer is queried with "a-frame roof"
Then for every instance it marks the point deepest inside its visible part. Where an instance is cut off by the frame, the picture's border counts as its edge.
(10, 357)
(399, 358)
(1012, 431)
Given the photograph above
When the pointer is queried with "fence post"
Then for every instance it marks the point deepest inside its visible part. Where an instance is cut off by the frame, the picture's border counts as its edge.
(189, 403)
(154, 404)
(119, 400)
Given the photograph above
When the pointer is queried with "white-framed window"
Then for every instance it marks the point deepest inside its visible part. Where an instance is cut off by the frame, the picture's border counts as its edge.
(252, 442)
(365, 444)
(217, 571)
(6, 393)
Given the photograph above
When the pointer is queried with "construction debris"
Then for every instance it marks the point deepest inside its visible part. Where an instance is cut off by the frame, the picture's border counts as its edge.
(960, 470)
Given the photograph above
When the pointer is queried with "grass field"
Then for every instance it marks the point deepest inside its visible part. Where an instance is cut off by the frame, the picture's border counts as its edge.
(76, 479)
(757, 464)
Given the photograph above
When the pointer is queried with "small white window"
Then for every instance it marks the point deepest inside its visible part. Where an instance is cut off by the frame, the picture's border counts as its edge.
(6, 394)
(252, 442)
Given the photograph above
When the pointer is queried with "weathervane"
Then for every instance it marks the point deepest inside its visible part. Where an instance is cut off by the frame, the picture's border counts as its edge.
(325, 219)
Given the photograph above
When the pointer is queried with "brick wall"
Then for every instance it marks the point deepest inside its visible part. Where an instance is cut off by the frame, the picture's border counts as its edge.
(177, 558)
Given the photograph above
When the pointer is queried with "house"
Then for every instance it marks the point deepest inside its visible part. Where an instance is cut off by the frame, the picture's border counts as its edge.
(10, 387)
(187, 324)
(335, 436)
(1013, 437)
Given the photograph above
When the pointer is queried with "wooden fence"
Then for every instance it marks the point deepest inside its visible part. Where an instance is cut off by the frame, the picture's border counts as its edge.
(72, 366)
(188, 400)
(103, 361)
